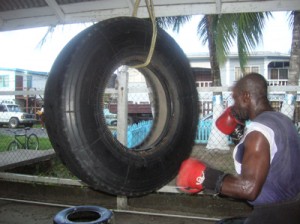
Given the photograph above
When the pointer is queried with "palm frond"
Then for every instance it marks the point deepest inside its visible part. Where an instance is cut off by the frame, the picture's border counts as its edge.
(202, 29)
(249, 32)
(224, 35)
(174, 22)
(223, 30)
(47, 35)
(291, 19)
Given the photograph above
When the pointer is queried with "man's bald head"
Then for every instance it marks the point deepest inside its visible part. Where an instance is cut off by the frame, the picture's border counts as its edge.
(253, 83)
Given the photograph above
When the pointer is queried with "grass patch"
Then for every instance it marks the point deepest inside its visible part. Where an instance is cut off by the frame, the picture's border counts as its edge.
(44, 143)
(5, 140)
(49, 168)
(54, 168)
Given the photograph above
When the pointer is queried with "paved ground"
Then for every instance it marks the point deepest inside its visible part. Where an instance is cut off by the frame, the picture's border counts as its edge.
(22, 213)
(17, 213)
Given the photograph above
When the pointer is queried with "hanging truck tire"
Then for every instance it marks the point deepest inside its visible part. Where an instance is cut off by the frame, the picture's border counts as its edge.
(74, 103)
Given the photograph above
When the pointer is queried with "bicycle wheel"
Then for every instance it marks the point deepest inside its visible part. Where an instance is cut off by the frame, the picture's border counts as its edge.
(13, 146)
(33, 142)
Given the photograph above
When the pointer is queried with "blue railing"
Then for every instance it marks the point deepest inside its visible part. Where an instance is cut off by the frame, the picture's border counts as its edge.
(138, 132)
(203, 131)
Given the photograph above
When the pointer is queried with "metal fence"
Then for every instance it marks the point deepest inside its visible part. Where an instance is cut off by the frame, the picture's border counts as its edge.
(210, 145)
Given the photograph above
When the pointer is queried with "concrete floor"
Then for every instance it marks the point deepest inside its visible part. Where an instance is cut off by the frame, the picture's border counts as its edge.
(167, 206)
(23, 213)
(17, 213)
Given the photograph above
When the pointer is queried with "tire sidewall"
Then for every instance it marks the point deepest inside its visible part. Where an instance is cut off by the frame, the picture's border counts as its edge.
(87, 72)
(63, 216)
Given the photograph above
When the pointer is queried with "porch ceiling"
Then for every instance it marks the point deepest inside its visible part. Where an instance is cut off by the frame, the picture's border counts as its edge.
(21, 14)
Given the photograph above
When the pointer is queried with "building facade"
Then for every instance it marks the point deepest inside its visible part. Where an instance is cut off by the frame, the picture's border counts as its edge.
(22, 80)
(273, 66)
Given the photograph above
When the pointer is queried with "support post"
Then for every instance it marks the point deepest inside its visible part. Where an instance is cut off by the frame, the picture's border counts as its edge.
(122, 105)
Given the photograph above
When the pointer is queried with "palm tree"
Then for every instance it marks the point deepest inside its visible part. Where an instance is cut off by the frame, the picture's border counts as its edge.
(220, 32)
(288, 106)
(207, 31)
(295, 50)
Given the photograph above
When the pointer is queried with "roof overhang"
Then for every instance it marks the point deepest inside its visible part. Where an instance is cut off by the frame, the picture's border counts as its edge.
(22, 14)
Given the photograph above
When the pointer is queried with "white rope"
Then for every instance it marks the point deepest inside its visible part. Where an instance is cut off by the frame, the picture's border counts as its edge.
(150, 8)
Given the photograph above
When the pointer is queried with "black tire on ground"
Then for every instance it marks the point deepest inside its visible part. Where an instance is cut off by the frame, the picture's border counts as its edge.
(33, 142)
(83, 214)
(74, 107)
(13, 122)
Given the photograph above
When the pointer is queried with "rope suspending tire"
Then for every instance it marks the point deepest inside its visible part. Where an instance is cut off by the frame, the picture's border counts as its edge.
(83, 214)
(75, 98)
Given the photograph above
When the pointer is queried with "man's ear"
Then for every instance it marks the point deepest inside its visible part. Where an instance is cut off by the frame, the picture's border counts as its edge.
(246, 97)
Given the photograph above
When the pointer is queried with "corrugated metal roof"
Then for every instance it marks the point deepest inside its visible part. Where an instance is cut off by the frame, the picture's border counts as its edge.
(7, 5)
(62, 2)
(20, 4)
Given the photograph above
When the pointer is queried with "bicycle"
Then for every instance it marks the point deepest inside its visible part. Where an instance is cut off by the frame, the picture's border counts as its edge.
(31, 141)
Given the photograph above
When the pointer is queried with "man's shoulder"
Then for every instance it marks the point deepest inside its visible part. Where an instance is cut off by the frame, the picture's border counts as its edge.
(271, 116)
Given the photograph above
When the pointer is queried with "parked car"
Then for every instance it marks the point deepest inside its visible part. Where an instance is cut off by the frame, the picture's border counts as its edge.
(11, 114)
(110, 118)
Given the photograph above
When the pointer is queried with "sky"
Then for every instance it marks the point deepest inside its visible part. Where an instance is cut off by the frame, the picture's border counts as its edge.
(20, 48)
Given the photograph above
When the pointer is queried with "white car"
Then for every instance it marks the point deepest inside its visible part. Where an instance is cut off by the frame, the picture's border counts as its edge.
(111, 119)
(11, 114)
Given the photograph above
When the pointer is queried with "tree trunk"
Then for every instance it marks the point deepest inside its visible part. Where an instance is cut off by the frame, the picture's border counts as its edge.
(288, 105)
(217, 140)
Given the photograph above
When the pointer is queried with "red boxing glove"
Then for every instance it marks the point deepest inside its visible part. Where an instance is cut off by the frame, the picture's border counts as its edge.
(227, 122)
(191, 176)
(194, 176)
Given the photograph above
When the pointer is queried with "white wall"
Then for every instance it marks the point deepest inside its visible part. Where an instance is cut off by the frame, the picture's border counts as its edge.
(39, 82)
(10, 87)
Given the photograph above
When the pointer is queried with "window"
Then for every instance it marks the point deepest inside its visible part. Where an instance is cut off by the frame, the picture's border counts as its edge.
(277, 73)
(13, 108)
(29, 81)
(2, 108)
(4, 80)
(278, 70)
(239, 74)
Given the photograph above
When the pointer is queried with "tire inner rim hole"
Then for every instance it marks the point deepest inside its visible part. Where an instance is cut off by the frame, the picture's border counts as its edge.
(84, 216)
(142, 96)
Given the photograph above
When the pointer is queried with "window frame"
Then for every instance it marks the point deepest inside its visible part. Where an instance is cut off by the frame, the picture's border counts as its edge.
(4, 80)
